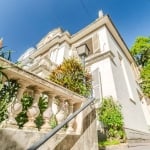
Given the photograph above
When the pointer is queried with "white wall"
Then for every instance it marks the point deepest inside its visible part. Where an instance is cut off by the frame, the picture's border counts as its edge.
(58, 54)
(106, 77)
(126, 88)
(104, 43)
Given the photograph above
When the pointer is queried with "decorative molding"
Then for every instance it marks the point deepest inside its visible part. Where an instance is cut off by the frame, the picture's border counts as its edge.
(98, 57)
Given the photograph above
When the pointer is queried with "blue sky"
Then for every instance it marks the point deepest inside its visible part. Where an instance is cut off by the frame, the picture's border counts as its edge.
(24, 22)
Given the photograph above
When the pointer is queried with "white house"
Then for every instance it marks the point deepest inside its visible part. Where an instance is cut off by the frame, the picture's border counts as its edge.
(113, 69)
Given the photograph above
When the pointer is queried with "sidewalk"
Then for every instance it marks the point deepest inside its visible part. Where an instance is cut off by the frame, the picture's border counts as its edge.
(139, 146)
(131, 146)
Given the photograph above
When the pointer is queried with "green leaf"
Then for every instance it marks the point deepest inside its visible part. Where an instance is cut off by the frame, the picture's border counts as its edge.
(110, 115)
(72, 75)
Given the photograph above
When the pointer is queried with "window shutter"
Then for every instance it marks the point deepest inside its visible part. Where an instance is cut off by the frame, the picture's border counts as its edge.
(96, 46)
(96, 84)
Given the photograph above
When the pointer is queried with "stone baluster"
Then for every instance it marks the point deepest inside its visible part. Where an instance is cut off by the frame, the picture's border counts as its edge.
(62, 113)
(70, 128)
(4, 79)
(2, 82)
(15, 107)
(55, 105)
(33, 112)
(47, 114)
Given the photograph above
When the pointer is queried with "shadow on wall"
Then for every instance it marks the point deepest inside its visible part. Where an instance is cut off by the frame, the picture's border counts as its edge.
(85, 141)
(101, 137)
(68, 142)
(8, 143)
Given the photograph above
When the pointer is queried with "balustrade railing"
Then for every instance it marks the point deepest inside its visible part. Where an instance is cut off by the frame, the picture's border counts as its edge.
(71, 118)
(61, 102)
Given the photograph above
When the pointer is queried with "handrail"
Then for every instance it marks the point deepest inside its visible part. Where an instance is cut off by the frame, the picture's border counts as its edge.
(56, 129)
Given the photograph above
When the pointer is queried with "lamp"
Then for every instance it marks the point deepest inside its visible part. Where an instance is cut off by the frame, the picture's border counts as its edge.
(83, 52)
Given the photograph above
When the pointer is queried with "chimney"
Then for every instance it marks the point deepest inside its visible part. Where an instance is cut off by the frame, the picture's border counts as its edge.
(1, 42)
(100, 14)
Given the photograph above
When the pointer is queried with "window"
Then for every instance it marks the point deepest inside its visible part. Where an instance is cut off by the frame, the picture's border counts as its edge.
(53, 55)
(60, 56)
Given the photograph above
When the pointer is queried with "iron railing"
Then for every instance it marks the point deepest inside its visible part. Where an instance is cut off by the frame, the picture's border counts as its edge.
(56, 129)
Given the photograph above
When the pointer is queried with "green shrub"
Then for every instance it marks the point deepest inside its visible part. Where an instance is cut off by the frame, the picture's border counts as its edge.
(110, 115)
(53, 122)
(145, 77)
(22, 117)
(108, 143)
(7, 92)
(43, 103)
(5, 53)
(71, 75)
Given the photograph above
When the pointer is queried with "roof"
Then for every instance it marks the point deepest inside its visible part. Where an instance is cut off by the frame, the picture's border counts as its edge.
(58, 36)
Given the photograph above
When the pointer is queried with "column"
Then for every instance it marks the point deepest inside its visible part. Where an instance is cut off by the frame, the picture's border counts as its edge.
(33, 112)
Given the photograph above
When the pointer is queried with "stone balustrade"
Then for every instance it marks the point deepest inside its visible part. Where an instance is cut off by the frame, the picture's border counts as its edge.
(61, 102)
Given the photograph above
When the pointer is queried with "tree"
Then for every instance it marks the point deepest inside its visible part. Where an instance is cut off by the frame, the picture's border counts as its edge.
(5, 55)
(2, 75)
(3, 52)
(71, 75)
(141, 52)
(7, 90)
(145, 76)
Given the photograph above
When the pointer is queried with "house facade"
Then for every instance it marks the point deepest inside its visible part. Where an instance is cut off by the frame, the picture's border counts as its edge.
(113, 69)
